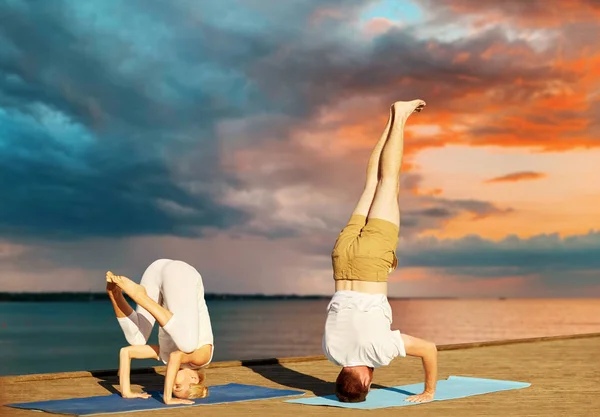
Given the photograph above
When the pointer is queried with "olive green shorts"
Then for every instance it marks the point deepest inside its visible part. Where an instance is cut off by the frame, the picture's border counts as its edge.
(365, 250)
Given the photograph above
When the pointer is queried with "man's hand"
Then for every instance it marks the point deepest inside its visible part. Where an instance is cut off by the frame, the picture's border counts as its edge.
(173, 401)
(130, 394)
(420, 398)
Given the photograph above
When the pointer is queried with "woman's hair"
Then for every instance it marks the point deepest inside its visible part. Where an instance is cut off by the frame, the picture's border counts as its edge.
(198, 390)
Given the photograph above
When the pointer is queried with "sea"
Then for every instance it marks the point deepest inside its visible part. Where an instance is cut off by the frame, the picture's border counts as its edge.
(40, 337)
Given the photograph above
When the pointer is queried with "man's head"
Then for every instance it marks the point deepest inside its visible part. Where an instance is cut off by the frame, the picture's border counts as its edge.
(353, 384)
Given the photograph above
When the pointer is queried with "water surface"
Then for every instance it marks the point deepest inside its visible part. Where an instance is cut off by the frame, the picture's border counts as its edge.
(38, 337)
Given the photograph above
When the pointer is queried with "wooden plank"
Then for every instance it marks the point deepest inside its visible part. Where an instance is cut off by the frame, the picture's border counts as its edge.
(564, 372)
(271, 361)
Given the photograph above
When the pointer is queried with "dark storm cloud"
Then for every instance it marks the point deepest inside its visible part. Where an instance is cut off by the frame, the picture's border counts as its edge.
(133, 92)
(86, 140)
(141, 88)
(53, 189)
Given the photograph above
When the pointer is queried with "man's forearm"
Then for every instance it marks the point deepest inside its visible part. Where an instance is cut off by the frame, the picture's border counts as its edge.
(430, 368)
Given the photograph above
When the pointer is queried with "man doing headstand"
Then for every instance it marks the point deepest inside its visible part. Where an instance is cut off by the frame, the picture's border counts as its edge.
(357, 335)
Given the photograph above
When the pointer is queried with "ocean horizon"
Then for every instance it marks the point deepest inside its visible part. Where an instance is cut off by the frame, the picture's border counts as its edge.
(67, 296)
(60, 336)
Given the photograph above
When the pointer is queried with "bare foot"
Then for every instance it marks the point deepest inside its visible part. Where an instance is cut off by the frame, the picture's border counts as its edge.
(128, 286)
(111, 287)
(403, 109)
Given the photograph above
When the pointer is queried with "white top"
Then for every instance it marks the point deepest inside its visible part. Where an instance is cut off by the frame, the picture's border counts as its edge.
(357, 330)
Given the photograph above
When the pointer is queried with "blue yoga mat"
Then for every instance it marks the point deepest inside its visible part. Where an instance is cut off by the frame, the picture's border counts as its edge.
(449, 389)
(108, 404)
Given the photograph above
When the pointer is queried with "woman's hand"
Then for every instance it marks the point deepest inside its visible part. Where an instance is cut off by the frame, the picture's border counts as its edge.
(143, 395)
(173, 401)
(111, 287)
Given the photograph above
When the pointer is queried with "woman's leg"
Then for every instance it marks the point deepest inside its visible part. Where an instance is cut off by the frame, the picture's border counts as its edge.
(183, 293)
(120, 305)
(137, 325)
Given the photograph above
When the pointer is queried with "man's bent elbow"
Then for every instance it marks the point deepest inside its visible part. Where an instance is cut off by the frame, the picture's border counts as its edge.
(432, 351)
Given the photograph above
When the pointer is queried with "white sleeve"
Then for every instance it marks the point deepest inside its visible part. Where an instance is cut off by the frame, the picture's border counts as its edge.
(386, 348)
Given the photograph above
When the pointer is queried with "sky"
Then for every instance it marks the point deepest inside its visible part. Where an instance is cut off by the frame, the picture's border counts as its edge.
(234, 136)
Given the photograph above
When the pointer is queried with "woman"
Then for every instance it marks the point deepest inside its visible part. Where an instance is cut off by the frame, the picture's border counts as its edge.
(172, 293)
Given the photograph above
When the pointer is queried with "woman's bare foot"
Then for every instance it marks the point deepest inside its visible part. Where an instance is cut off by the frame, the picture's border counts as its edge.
(128, 286)
(111, 287)
(403, 109)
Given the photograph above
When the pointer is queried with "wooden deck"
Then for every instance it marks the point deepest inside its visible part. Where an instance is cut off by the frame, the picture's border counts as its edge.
(564, 373)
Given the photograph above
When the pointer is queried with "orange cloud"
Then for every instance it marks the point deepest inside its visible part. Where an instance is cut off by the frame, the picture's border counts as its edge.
(461, 57)
(518, 176)
(529, 13)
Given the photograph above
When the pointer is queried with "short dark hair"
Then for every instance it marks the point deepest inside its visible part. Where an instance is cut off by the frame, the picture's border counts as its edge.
(349, 387)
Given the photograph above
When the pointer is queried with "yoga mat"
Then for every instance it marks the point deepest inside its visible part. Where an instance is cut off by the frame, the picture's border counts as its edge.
(449, 389)
(114, 403)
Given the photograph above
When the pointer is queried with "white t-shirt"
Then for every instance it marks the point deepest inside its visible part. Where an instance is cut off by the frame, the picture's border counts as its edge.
(357, 330)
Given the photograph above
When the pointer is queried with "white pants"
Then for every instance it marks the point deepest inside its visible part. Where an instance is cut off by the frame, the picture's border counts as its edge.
(178, 287)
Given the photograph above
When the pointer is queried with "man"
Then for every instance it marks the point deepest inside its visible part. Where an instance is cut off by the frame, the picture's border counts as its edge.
(357, 335)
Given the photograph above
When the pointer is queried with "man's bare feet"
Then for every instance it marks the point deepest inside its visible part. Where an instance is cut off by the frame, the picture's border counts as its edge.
(403, 109)
(128, 286)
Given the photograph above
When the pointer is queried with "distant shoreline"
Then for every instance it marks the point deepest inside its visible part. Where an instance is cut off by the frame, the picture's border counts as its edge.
(102, 296)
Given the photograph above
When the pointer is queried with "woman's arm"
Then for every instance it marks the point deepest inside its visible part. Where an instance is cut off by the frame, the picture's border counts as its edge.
(125, 356)
(175, 360)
